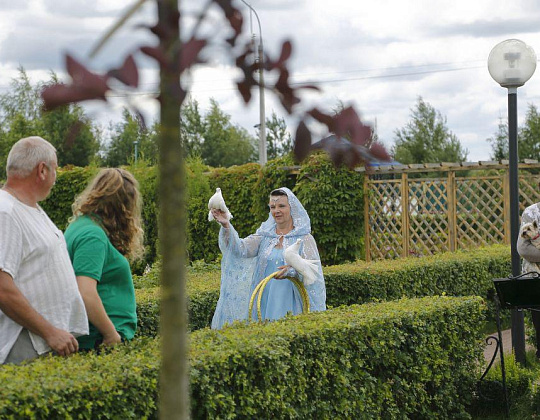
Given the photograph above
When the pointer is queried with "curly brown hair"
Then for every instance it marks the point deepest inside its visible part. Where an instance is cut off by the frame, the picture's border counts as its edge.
(112, 199)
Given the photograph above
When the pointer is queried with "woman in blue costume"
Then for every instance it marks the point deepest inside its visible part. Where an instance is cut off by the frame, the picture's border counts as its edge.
(246, 262)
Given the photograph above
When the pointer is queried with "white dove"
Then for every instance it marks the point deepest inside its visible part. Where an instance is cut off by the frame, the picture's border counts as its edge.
(217, 202)
(308, 268)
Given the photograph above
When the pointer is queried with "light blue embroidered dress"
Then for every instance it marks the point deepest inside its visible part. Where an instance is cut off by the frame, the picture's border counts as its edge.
(247, 261)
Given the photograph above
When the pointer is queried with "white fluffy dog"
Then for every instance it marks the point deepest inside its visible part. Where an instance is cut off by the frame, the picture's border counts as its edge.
(530, 231)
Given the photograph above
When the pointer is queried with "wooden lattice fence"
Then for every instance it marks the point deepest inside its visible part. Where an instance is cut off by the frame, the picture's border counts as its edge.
(424, 216)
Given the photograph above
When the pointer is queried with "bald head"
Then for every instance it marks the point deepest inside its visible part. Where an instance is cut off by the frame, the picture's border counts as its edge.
(26, 154)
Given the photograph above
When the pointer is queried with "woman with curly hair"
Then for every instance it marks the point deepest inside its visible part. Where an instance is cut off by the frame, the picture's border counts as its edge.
(104, 232)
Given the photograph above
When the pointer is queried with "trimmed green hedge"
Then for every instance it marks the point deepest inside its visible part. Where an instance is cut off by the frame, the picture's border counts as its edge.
(202, 291)
(459, 273)
(456, 274)
(414, 358)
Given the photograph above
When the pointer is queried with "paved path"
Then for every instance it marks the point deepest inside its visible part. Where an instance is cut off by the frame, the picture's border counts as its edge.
(507, 345)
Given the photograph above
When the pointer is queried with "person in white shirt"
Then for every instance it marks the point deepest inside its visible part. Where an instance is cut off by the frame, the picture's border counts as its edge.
(41, 309)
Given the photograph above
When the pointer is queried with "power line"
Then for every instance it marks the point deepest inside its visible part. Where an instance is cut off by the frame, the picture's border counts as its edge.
(118, 94)
(320, 82)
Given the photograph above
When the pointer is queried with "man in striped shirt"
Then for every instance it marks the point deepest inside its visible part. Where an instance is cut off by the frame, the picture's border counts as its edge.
(41, 309)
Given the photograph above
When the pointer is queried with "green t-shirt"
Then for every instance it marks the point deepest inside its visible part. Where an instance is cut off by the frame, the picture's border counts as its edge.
(93, 255)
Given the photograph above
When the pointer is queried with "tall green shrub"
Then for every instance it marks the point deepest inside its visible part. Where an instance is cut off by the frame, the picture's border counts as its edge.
(70, 182)
(202, 235)
(333, 199)
(237, 185)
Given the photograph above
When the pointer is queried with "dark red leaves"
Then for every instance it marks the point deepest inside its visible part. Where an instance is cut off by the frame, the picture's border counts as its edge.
(302, 144)
(378, 151)
(347, 123)
(83, 77)
(86, 85)
(190, 52)
(127, 73)
(280, 63)
(322, 118)
(157, 54)
(234, 16)
(287, 94)
(244, 87)
(244, 63)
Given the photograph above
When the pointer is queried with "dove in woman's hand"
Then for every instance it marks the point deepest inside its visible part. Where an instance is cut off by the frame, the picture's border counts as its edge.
(217, 202)
(308, 268)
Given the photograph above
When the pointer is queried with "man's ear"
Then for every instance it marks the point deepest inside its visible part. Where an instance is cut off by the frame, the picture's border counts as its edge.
(41, 171)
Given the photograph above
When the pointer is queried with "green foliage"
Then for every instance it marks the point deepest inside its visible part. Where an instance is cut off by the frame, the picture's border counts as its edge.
(334, 200)
(119, 384)
(191, 128)
(489, 395)
(202, 286)
(67, 128)
(404, 359)
(455, 274)
(426, 138)
(70, 182)
(528, 137)
(202, 235)
(225, 144)
(278, 139)
(121, 148)
(499, 142)
(460, 273)
(237, 186)
(147, 176)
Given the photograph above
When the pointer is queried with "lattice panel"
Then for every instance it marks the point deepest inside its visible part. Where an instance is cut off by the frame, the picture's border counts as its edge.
(479, 212)
(428, 217)
(385, 219)
(529, 191)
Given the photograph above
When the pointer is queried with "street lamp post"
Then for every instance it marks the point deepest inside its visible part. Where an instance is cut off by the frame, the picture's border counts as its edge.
(136, 143)
(511, 63)
(262, 116)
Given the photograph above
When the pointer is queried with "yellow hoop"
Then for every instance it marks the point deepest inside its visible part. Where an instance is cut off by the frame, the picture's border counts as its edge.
(259, 289)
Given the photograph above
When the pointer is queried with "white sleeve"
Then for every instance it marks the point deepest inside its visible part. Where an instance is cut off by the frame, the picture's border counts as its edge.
(10, 245)
(229, 241)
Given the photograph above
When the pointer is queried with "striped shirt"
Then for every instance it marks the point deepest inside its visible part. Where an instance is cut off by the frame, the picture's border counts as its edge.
(33, 252)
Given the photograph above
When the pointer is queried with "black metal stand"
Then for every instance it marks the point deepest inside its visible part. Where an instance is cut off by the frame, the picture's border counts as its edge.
(498, 349)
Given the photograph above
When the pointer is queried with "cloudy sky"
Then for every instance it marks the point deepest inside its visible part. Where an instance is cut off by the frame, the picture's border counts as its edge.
(379, 56)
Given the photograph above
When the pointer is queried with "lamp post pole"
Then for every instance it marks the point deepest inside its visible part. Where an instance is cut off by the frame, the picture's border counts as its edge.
(136, 143)
(511, 63)
(518, 324)
(262, 115)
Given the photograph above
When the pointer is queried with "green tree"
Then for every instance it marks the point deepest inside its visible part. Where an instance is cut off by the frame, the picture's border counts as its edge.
(225, 144)
(121, 149)
(528, 137)
(427, 139)
(278, 139)
(192, 128)
(75, 137)
(499, 142)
